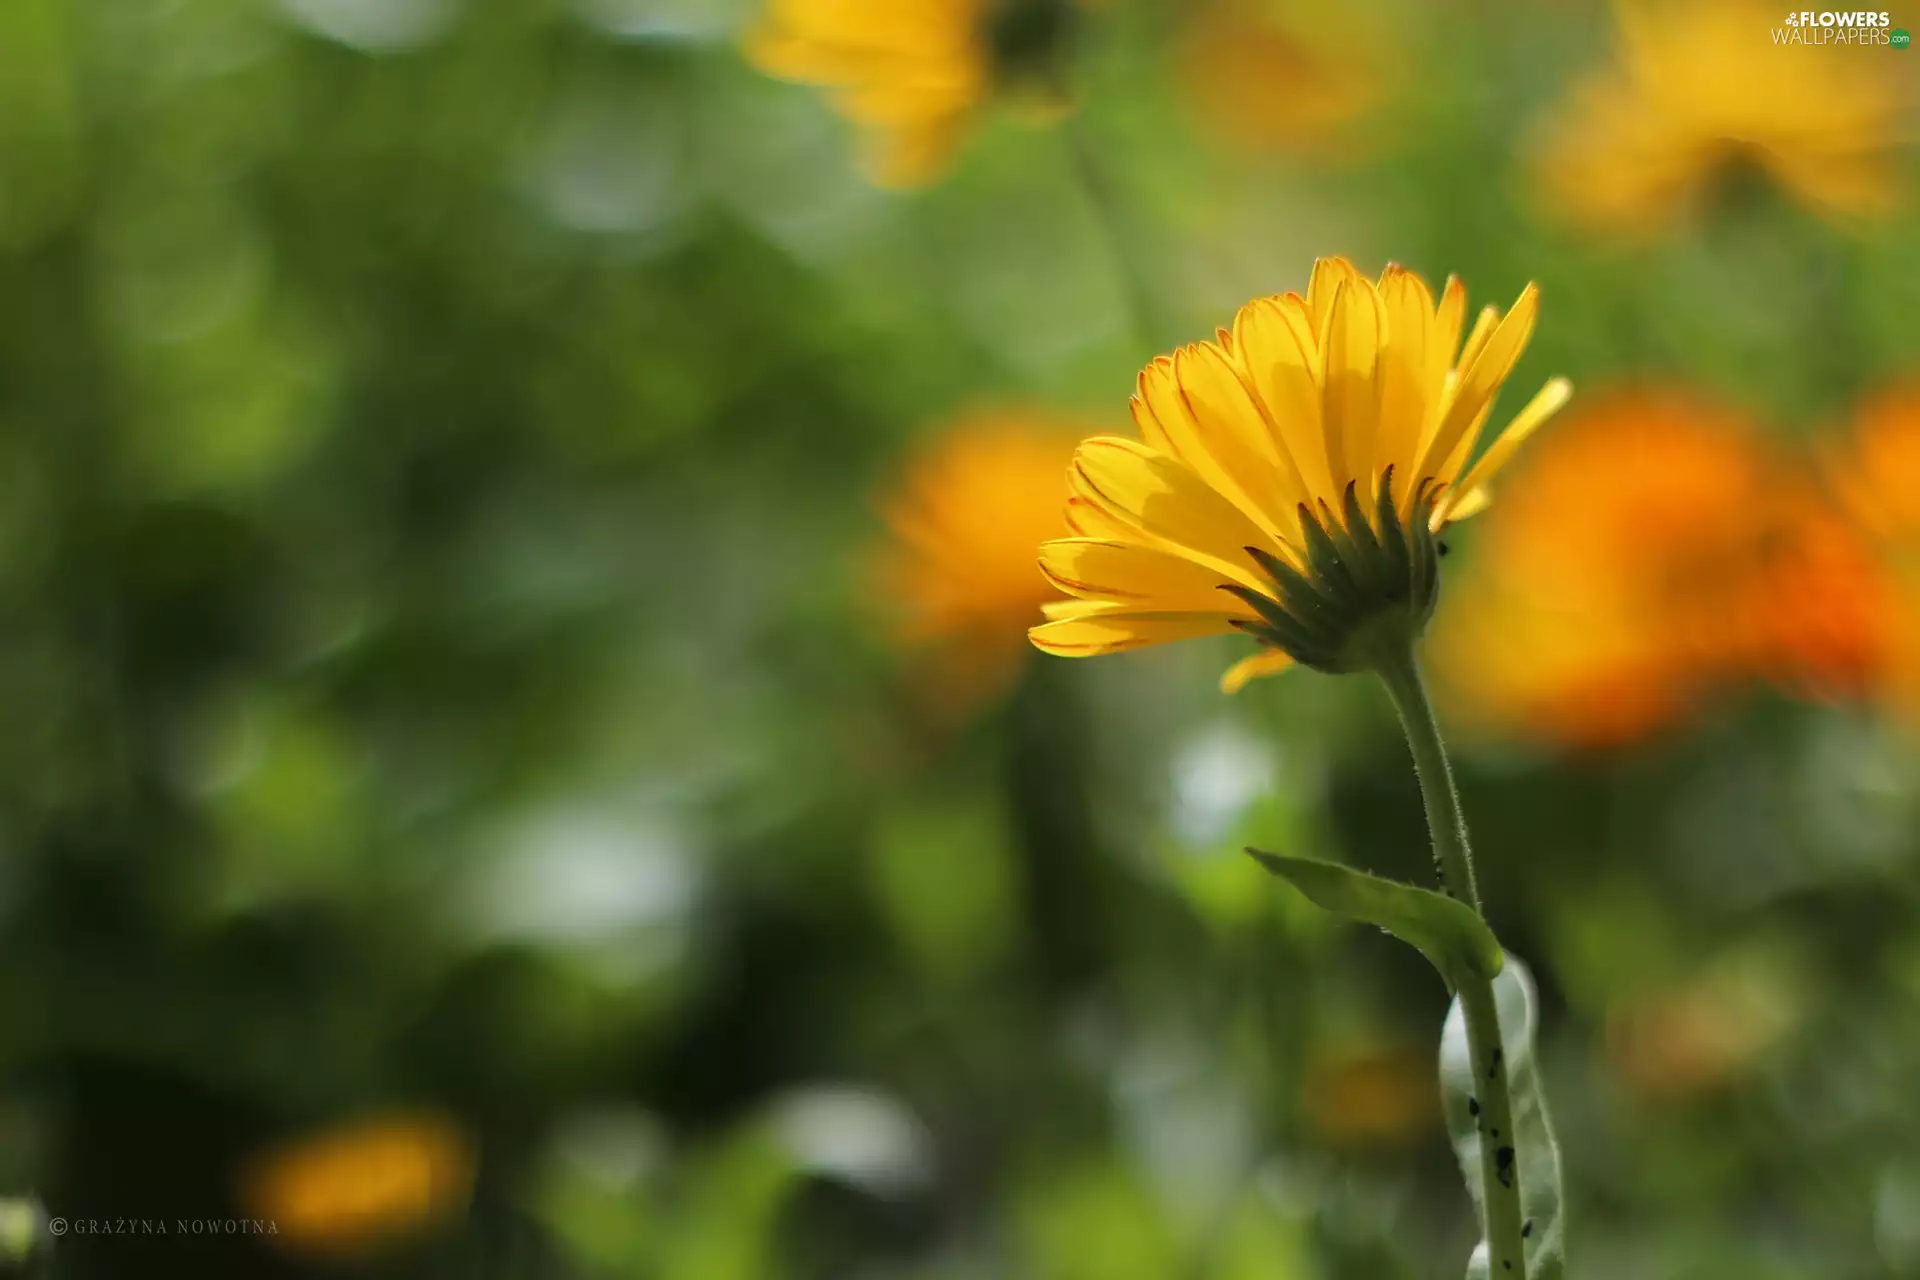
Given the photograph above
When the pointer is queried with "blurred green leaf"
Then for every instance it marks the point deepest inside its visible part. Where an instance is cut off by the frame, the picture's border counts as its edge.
(1535, 1150)
(1450, 934)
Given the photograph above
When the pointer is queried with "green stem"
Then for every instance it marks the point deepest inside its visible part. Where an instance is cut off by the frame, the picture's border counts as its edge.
(1499, 1170)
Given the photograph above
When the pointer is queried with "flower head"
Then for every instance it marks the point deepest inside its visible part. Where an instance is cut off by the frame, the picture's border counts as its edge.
(956, 569)
(911, 73)
(1704, 88)
(1599, 615)
(1292, 476)
(1877, 478)
(349, 1188)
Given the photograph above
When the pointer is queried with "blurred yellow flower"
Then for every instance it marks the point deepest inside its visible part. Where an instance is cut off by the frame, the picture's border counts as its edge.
(1292, 477)
(347, 1189)
(1702, 89)
(957, 570)
(1599, 614)
(1703, 1033)
(1280, 74)
(910, 72)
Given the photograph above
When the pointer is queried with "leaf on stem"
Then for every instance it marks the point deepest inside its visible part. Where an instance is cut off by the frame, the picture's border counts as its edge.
(1536, 1153)
(1449, 933)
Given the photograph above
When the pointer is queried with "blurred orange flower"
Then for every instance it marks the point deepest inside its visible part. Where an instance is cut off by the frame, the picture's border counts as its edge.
(1703, 88)
(347, 1189)
(959, 571)
(1279, 74)
(1877, 479)
(1598, 614)
(1372, 1095)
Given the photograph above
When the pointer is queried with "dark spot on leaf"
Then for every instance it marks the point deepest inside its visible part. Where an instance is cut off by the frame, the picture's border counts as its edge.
(1473, 1106)
(1503, 1165)
(1526, 1231)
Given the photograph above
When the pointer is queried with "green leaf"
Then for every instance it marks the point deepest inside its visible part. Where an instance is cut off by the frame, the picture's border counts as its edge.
(1450, 934)
(1536, 1153)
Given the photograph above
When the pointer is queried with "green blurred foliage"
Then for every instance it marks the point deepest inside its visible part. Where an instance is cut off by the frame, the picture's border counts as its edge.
(437, 445)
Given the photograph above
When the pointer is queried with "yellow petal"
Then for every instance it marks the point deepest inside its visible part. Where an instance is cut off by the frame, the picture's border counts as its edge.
(1161, 498)
(1483, 326)
(1117, 631)
(1351, 399)
(1273, 342)
(1492, 362)
(1329, 274)
(1408, 310)
(1145, 577)
(1547, 402)
(1197, 404)
(1447, 319)
(1061, 610)
(1267, 662)
(1472, 503)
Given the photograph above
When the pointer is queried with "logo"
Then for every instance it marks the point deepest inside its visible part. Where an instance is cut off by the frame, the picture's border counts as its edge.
(1855, 27)
(1899, 38)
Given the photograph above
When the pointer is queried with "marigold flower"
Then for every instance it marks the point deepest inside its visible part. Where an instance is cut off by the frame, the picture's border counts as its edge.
(911, 73)
(346, 1189)
(956, 571)
(1293, 476)
(1371, 1095)
(1702, 90)
(1877, 479)
(1597, 615)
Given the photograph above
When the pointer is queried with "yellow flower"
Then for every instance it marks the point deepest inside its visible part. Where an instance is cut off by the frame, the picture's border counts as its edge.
(346, 1189)
(912, 73)
(1293, 478)
(1702, 90)
(956, 570)
(1280, 75)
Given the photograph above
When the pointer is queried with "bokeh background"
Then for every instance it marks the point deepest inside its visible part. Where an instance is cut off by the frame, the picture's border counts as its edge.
(520, 756)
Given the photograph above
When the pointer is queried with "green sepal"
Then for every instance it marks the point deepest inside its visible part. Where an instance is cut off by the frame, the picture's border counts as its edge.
(1284, 630)
(1369, 564)
(1450, 934)
(1323, 559)
(1393, 538)
(1535, 1151)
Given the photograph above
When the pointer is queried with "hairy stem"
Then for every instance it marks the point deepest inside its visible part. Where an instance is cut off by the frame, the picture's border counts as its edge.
(1453, 861)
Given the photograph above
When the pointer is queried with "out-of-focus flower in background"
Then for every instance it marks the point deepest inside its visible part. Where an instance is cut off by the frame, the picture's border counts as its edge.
(352, 1188)
(1305, 404)
(1371, 1094)
(1701, 90)
(957, 572)
(911, 73)
(1279, 75)
(1877, 478)
(1705, 1031)
(1598, 612)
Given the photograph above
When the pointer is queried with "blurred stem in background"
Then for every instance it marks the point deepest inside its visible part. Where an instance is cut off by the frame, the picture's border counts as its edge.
(1453, 861)
(1119, 231)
